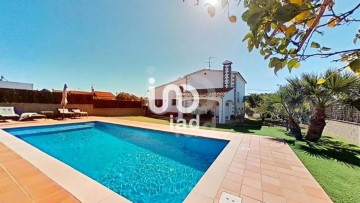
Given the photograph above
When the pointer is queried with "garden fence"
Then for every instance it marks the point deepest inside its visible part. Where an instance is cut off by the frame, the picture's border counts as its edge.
(343, 113)
(47, 97)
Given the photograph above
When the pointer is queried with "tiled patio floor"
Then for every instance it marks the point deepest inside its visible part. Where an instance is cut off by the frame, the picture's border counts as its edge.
(256, 168)
(267, 170)
(22, 182)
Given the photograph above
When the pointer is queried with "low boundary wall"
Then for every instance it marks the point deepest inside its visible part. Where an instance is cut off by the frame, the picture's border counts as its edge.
(37, 107)
(345, 130)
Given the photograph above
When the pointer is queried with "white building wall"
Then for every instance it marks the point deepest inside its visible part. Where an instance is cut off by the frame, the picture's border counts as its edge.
(172, 95)
(228, 110)
(16, 85)
(206, 79)
(240, 88)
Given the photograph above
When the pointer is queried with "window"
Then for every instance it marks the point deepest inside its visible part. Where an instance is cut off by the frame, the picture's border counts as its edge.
(238, 97)
(173, 102)
(158, 102)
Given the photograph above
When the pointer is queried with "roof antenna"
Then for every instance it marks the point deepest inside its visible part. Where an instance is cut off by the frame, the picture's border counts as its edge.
(2, 78)
(209, 62)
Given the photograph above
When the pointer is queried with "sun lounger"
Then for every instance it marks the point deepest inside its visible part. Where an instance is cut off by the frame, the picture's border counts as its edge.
(8, 113)
(66, 113)
(48, 114)
(79, 112)
(30, 116)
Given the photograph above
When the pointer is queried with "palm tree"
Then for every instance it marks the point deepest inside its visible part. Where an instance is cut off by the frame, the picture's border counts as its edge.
(287, 101)
(322, 95)
(290, 99)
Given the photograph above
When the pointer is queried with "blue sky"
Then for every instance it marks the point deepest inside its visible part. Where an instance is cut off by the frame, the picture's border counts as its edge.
(116, 45)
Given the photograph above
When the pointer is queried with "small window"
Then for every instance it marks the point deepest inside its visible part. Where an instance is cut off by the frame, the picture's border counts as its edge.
(158, 102)
(173, 102)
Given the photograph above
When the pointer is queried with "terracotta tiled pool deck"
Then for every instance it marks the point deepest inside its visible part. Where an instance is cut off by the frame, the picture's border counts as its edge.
(255, 168)
(22, 182)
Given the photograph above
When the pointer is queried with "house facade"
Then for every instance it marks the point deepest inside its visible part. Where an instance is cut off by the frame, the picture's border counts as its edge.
(220, 93)
(16, 85)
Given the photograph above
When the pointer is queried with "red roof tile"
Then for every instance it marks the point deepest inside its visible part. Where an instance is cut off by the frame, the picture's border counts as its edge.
(80, 92)
(104, 95)
(210, 91)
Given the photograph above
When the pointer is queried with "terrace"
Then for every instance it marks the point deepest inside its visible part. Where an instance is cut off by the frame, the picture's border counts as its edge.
(255, 168)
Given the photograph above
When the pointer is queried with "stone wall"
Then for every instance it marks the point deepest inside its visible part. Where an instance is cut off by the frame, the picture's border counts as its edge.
(37, 107)
(346, 130)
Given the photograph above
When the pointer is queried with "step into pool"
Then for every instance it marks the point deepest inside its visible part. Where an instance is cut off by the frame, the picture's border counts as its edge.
(140, 164)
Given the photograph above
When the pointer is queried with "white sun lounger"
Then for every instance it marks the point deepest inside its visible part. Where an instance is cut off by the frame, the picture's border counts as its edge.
(79, 112)
(8, 112)
(26, 116)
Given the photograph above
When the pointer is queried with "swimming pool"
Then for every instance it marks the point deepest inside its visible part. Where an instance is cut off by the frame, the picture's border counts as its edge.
(139, 164)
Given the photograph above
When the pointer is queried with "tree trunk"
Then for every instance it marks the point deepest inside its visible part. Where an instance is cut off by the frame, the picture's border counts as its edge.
(295, 129)
(316, 125)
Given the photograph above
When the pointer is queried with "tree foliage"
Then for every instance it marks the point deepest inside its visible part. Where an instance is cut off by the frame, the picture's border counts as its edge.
(283, 30)
(254, 100)
(333, 90)
(123, 96)
(337, 87)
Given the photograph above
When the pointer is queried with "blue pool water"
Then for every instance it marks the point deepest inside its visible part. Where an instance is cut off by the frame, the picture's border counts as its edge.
(141, 165)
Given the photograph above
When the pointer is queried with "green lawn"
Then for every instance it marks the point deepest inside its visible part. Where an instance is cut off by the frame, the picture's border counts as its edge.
(334, 163)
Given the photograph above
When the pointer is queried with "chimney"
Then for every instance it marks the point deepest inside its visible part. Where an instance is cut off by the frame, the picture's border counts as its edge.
(227, 74)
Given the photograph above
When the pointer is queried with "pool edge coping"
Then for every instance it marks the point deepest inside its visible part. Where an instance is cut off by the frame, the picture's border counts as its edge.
(69, 178)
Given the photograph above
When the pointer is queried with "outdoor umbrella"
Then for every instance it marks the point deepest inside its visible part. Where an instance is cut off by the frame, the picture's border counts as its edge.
(64, 100)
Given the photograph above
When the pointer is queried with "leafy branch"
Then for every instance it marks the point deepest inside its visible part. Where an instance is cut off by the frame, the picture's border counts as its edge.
(282, 30)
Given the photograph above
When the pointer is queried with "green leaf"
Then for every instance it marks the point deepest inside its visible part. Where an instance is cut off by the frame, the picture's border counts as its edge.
(247, 36)
(262, 52)
(268, 51)
(278, 67)
(274, 61)
(273, 25)
(293, 52)
(325, 49)
(292, 63)
(245, 16)
(267, 56)
(250, 45)
(315, 45)
(355, 66)
(286, 13)
(282, 48)
(254, 19)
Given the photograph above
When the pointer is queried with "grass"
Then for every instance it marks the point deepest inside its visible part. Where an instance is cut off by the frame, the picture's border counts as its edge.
(334, 163)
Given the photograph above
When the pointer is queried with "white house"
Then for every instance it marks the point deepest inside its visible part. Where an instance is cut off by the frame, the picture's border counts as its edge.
(220, 92)
(16, 85)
